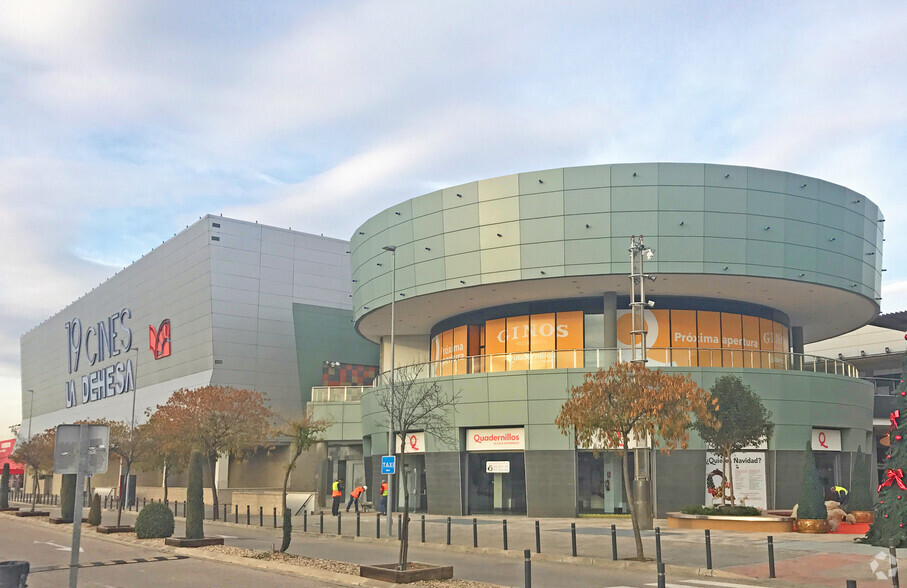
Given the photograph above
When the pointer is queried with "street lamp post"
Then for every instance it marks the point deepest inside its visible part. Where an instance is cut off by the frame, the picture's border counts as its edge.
(390, 428)
(31, 409)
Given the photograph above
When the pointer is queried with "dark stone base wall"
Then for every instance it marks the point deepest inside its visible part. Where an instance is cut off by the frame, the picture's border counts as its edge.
(679, 480)
(443, 479)
(550, 483)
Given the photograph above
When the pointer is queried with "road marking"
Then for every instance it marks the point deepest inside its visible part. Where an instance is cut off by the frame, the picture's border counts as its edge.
(113, 562)
(227, 536)
(59, 547)
(714, 583)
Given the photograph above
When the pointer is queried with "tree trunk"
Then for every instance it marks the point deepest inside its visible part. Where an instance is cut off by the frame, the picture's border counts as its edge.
(125, 491)
(212, 461)
(631, 503)
(286, 483)
(723, 479)
(404, 526)
(730, 476)
(166, 484)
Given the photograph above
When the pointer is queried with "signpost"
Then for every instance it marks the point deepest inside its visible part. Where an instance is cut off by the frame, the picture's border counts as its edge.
(81, 450)
(388, 464)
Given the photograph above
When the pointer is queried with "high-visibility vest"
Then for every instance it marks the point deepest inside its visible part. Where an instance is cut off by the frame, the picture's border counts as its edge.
(335, 489)
(357, 492)
(384, 489)
(839, 489)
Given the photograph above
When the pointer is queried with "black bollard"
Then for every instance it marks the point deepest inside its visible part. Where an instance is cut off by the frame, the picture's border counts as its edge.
(771, 557)
(614, 542)
(538, 538)
(357, 523)
(573, 537)
(378, 525)
(275, 517)
(475, 532)
(321, 522)
(225, 513)
(658, 545)
(305, 520)
(400, 527)
(339, 528)
(248, 515)
(105, 503)
(505, 534)
(261, 516)
(144, 502)
(527, 567)
(661, 575)
(448, 530)
(708, 549)
(423, 528)
(893, 562)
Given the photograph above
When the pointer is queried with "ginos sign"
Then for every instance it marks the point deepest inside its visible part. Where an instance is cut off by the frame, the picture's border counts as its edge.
(532, 330)
(495, 439)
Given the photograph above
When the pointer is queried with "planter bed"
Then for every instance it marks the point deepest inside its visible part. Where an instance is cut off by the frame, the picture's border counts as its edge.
(62, 521)
(762, 524)
(185, 542)
(9, 509)
(108, 529)
(32, 513)
(415, 572)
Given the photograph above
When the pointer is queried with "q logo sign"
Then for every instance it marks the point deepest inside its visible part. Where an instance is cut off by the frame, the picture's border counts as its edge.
(159, 340)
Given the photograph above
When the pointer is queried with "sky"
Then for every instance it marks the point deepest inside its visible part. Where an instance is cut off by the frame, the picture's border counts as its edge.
(122, 122)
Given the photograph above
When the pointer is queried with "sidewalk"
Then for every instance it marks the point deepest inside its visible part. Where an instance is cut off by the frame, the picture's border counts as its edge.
(801, 560)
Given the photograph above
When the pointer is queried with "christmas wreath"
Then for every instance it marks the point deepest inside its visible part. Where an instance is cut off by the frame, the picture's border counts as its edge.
(715, 490)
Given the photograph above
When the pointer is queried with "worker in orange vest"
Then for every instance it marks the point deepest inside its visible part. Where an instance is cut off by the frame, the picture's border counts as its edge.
(383, 491)
(354, 497)
(337, 494)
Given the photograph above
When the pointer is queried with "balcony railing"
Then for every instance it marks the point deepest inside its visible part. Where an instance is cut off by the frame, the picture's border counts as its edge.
(337, 393)
(594, 359)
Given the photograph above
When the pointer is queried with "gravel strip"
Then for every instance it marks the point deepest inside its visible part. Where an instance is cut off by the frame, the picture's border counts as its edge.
(329, 565)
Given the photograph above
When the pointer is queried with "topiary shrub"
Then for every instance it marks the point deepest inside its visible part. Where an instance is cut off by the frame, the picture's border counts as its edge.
(67, 496)
(4, 487)
(94, 513)
(287, 529)
(195, 505)
(860, 497)
(154, 522)
(812, 495)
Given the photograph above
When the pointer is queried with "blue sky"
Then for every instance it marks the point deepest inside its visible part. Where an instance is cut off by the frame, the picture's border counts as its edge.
(122, 122)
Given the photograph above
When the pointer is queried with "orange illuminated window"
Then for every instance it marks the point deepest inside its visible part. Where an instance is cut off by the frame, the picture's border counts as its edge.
(570, 339)
(496, 344)
(542, 330)
(683, 338)
(458, 350)
(731, 338)
(709, 332)
(752, 356)
(766, 342)
(518, 342)
(779, 357)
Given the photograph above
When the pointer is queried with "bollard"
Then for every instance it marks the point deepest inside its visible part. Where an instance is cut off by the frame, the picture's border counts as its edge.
(893, 562)
(771, 557)
(321, 522)
(573, 537)
(378, 525)
(658, 545)
(538, 538)
(184, 508)
(400, 527)
(261, 516)
(105, 503)
(357, 523)
(661, 575)
(423, 528)
(225, 512)
(235, 513)
(248, 515)
(305, 520)
(144, 502)
(708, 549)
(505, 534)
(275, 517)
(614, 542)
(475, 532)
(339, 528)
(448, 530)
(527, 567)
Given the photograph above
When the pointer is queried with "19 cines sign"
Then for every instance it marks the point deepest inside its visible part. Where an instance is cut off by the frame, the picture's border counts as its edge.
(96, 343)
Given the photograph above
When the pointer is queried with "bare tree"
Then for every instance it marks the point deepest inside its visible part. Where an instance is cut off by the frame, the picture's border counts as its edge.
(414, 405)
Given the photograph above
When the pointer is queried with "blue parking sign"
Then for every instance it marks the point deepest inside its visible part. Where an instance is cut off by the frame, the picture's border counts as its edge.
(388, 464)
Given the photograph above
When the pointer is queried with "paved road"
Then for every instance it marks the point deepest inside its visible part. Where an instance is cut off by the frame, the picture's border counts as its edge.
(47, 550)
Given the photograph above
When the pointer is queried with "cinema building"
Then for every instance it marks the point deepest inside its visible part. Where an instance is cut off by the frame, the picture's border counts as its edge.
(223, 302)
(507, 291)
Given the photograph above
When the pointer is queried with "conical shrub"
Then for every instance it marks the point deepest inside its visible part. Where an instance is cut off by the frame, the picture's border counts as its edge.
(195, 499)
(812, 499)
(94, 513)
(860, 493)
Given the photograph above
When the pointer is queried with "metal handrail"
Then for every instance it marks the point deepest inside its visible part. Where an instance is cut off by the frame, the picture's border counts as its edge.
(337, 393)
(603, 358)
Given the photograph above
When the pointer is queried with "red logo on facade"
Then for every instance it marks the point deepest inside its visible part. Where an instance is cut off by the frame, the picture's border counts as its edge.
(159, 340)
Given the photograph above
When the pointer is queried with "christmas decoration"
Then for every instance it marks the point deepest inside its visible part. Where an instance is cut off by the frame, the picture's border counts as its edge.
(890, 514)
(812, 503)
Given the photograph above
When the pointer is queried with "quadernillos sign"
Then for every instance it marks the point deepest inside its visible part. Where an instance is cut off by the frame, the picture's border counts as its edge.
(100, 342)
(496, 439)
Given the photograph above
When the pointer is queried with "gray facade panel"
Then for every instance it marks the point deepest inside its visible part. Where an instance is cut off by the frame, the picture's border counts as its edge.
(443, 481)
(550, 483)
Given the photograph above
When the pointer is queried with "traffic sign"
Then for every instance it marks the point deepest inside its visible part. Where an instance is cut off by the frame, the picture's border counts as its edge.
(66, 450)
(388, 464)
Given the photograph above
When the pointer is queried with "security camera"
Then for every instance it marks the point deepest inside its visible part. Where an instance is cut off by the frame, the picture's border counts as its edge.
(650, 304)
(650, 253)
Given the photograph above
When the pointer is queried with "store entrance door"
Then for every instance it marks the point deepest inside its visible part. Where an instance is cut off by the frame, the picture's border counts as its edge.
(497, 483)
